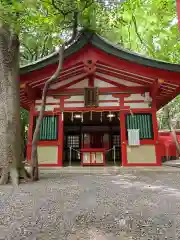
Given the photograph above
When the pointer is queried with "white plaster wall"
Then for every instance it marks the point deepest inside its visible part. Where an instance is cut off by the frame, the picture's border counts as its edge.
(137, 105)
(74, 98)
(108, 104)
(141, 154)
(61, 83)
(47, 154)
(117, 80)
(134, 97)
(107, 97)
(49, 100)
(82, 84)
(102, 84)
(47, 108)
(73, 105)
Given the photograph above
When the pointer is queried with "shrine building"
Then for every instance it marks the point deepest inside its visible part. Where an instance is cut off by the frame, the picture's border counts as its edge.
(102, 108)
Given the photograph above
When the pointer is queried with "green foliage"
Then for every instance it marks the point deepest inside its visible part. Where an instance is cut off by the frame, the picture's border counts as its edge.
(174, 107)
(24, 122)
(147, 27)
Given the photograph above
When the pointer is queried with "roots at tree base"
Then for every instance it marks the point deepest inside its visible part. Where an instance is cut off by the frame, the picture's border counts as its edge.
(13, 175)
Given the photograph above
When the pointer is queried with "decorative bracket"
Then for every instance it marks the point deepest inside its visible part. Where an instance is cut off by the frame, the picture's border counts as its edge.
(89, 67)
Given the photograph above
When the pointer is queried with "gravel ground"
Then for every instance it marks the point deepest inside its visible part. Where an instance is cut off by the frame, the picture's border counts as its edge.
(122, 204)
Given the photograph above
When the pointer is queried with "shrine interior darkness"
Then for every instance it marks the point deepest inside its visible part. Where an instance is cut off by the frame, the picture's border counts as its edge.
(103, 132)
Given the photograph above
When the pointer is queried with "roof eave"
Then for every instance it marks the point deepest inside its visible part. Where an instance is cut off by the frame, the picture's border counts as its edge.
(102, 44)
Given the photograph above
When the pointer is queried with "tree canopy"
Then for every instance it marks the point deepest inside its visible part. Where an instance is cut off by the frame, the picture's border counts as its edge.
(146, 27)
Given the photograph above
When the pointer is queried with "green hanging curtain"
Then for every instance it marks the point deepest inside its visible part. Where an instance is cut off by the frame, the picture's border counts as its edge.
(48, 129)
(143, 122)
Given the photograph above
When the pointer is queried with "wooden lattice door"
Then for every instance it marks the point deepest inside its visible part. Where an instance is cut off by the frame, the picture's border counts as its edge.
(116, 142)
(73, 141)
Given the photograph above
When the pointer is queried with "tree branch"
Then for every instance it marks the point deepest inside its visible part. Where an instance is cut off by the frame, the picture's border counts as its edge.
(24, 56)
(31, 53)
(44, 46)
(87, 5)
(34, 157)
(139, 36)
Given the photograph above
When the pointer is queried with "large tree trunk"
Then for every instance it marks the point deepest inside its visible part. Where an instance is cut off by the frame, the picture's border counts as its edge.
(10, 124)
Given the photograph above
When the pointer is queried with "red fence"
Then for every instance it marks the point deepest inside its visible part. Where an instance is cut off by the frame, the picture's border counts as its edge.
(167, 145)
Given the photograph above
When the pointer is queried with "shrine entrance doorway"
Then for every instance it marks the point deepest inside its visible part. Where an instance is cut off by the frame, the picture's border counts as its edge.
(92, 139)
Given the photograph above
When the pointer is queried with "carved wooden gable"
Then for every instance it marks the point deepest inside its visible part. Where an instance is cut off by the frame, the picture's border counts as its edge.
(91, 97)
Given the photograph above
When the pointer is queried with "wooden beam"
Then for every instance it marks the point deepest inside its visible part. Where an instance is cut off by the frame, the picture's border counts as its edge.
(60, 78)
(133, 89)
(124, 77)
(62, 88)
(102, 91)
(45, 73)
(155, 88)
(168, 98)
(24, 105)
(82, 92)
(121, 86)
(32, 93)
(91, 80)
(139, 69)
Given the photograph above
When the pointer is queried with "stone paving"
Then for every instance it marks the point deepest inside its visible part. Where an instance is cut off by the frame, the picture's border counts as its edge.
(109, 203)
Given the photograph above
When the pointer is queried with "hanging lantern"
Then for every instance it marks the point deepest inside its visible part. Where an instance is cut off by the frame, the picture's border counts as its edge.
(91, 115)
(101, 117)
(77, 116)
(62, 116)
(82, 119)
(72, 117)
(110, 116)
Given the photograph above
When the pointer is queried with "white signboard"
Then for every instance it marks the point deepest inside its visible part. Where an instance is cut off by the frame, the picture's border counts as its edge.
(133, 137)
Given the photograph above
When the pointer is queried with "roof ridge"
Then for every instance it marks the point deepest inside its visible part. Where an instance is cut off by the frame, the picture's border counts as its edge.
(88, 34)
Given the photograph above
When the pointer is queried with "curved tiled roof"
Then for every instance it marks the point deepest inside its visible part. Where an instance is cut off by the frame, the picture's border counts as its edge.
(97, 41)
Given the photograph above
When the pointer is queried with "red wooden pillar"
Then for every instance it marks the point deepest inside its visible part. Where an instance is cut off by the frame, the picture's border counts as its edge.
(61, 133)
(60, 139)
(123, 138)
(178, 12)
(156, 138)
(30, 131)
(91, 80)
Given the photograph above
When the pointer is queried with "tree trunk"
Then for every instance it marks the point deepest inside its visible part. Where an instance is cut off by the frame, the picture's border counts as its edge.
(34, 155)
(10, 124)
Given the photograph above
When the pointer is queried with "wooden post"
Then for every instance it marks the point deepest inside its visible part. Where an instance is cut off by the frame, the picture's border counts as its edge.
(61, 133)
(30, 131)
(156, 138)
(123, 138)
(60, 139)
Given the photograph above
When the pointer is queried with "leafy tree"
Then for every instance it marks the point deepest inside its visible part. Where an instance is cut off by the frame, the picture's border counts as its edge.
(18, 17)
(146, 27)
